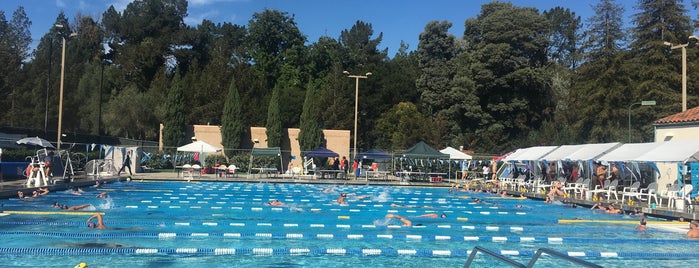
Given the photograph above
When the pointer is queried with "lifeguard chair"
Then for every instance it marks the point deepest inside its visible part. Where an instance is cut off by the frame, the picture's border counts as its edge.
(36, 173)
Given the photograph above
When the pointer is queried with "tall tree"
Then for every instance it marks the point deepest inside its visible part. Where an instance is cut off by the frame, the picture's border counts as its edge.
(310, 133)
(604, 36)
(508, 47)
(174, 123)
(15, 39)
(563, 36)
(274, 121)
(271, 34)
(231, 121)
(658, 72)
(435, 52)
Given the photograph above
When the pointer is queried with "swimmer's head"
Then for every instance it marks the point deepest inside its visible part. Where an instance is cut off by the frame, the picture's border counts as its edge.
(91, 225)
(343, 195)
(444, 215)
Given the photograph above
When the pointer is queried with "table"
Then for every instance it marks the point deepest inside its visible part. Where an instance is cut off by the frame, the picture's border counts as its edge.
(335, 172)
(375, 174)
(265, 171)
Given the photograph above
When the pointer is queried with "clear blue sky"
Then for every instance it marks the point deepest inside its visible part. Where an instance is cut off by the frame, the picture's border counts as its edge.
(398, 20)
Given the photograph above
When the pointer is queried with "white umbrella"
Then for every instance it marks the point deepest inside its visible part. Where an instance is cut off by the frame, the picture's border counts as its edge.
(36, 141)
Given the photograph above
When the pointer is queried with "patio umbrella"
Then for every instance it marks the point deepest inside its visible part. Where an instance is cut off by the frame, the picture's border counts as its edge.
(36, 141)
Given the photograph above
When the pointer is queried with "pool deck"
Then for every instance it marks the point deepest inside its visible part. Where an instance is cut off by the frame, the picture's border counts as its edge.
(8, 189)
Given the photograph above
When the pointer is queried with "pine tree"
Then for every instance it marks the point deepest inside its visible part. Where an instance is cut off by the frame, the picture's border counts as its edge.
(274, 121)
(174, 122)
(231, 121)
(310, 135)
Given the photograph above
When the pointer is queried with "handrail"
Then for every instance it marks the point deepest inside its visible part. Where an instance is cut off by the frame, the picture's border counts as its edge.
(497, 256)
(561, 256)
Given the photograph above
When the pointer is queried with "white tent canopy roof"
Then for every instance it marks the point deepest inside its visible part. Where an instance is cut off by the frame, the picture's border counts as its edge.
(531, 153)
(629, 151)
(581, 151)
(455, 154)
(672, 151)
(198, 146)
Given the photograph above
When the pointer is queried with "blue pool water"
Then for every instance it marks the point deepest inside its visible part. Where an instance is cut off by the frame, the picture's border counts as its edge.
(216, 224)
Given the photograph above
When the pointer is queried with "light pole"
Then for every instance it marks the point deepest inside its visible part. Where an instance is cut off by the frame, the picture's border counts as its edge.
(60, 95)
(692, 40)
(642, 103)
(356, 104)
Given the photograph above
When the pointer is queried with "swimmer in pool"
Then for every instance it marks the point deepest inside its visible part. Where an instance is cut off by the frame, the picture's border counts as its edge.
(693, 230)
(78, 207)
(405, 221)
(341, 199)
(276, 203)
(433, 215)
(99, 225)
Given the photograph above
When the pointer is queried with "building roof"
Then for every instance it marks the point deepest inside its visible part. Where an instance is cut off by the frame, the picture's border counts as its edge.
(688, 116)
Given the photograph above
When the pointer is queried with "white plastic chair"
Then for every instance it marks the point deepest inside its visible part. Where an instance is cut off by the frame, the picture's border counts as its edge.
(187, 172)
(630, 191)
(648, 193)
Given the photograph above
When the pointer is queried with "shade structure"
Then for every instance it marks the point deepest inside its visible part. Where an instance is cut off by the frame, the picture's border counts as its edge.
(455, 154)
(580, 151)
(321, 152)
(36, 141)
(375, 154)
(531, 153)
(198, 146)
(423, 150)
(629, 151)
(672, 151)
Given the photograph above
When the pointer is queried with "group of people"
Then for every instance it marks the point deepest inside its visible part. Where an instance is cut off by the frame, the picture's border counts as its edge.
(335, 163)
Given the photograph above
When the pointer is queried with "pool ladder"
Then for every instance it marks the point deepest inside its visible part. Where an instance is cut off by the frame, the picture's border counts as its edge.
(538, 253)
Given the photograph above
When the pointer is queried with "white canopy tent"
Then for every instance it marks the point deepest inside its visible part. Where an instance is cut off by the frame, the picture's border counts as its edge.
(628, 151)
(455, 154)
(581, 151)
(201, 147)
(672, 151)
(531, 153)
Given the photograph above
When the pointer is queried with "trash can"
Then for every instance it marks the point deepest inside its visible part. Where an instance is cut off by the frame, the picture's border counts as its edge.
(679, 204)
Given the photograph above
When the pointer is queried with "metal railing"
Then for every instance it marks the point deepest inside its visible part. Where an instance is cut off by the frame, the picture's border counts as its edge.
(501, 258)
(497, 256)
(560, 256)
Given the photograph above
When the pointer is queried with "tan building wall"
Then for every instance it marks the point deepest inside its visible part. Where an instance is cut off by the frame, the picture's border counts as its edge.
(337, 141)
(688, 132)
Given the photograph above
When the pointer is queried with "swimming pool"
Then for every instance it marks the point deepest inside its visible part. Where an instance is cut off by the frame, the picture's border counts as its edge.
(218, 224)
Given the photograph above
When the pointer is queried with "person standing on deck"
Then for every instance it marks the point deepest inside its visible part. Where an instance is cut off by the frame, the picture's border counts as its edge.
(344, 165)
(127, 163)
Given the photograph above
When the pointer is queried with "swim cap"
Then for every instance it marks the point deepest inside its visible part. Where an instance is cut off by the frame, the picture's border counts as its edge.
(81, 265)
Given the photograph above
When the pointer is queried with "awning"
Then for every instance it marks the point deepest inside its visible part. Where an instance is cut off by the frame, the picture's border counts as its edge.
(531, 153)
(455, 154)
(628, 152)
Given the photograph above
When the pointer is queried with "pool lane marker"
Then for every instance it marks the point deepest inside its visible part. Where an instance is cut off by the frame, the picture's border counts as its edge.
(25, 212)
(331, 251)
(623, 222)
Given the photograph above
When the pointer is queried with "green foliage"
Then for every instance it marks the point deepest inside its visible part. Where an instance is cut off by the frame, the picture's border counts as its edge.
(231, 121)
(310, 135)
(517, 77)
(274, 122)
(174, 123)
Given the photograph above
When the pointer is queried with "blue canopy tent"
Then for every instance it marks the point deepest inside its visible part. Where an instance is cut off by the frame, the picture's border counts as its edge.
(321, 152)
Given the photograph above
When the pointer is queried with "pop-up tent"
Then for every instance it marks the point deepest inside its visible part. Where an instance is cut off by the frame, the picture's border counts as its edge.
(422, 150)
(199, 147)
(455, 154)
(321, 152)
(271, 151)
